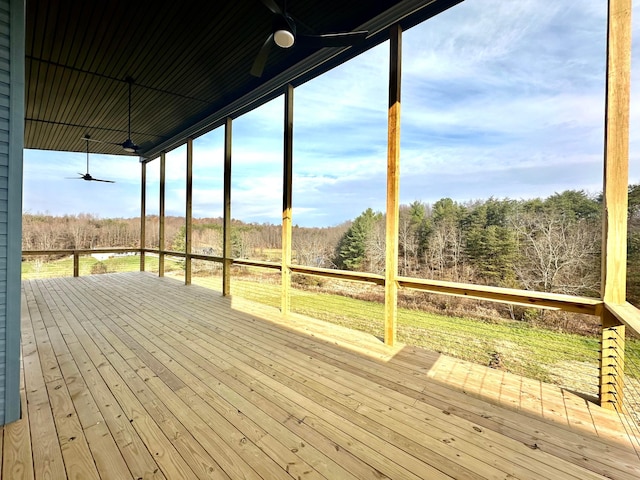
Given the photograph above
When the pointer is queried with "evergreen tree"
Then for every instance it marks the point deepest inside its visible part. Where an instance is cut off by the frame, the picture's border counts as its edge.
(445, 239)
(490, 243)
(179, 241)
(412, 236)
(351, 253)
(574, 205)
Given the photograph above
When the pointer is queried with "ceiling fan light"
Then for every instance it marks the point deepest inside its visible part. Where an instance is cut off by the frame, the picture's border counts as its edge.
(283, 38)
(129, 146)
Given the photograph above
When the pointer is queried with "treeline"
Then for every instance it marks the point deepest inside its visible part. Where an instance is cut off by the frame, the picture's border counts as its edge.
(551, 244)
(46, 232)
(85, 231)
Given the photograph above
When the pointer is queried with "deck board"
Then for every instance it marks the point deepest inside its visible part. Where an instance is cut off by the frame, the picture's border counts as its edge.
(134, 376)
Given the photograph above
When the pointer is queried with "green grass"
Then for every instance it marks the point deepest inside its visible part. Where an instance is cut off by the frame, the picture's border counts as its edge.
(523, 349)
(88, 265)
(58, 268)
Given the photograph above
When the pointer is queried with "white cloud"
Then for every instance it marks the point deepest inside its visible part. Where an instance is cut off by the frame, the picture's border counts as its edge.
(500, 98)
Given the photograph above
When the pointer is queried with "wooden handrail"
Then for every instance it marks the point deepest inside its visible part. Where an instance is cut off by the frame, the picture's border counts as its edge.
(215, 258)
(81, 251)
(339, 274)
(209, 258)
(169, 253)
(627, 314)
(568, 303)
(256, 263)
(195, 256)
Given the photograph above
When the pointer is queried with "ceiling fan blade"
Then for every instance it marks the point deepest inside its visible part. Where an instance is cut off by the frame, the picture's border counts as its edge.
(345, 39)
(273, 6)
(99, 180)
(261, 60)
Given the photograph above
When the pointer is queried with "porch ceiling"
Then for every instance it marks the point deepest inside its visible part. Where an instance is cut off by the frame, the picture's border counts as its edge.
(190, 61)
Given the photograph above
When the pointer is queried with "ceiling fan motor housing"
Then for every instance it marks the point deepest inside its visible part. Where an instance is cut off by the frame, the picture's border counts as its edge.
(284, 31)
(129, 146)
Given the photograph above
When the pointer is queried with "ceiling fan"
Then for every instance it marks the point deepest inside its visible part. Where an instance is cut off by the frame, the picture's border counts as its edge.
(87, 176)
(284, 35)
(128, 145)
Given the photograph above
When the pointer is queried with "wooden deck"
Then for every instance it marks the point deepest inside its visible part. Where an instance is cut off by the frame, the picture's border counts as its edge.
(133, 376)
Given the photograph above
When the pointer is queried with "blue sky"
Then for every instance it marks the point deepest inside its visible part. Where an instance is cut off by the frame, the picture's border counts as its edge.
(502, 99)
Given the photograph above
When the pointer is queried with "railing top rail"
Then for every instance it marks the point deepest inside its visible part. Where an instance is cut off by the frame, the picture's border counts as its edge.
(570, 303)
(341, 274)
(81, 251)
(256, 263)
(627, 314)
(592, 306)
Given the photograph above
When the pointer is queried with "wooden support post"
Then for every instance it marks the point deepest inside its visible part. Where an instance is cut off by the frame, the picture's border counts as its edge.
(226, 222)
(616, 154)
(161, 238)
(287, 181)
(143, 212)
(76, 264)
(188, 214)
(393, 188)
(615, 198)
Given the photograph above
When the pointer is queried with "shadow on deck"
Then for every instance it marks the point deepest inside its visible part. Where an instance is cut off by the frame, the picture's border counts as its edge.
(134, 376)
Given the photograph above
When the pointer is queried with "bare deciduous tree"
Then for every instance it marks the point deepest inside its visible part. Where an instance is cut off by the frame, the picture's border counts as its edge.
(557, 255)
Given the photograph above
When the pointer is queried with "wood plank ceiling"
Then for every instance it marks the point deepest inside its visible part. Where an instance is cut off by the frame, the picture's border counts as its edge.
(190, 60)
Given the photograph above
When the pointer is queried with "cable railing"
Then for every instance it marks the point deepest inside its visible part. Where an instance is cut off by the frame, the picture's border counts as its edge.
(356, 305)
(569, 360)
(259, 284)
(631, 389)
